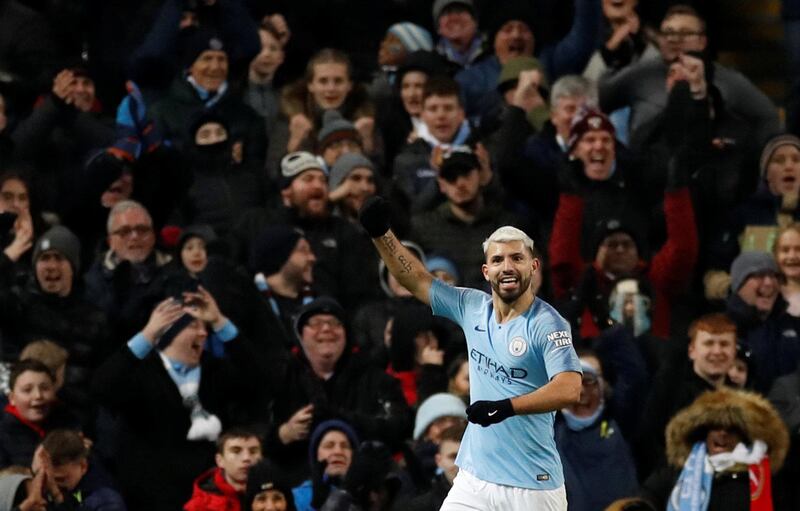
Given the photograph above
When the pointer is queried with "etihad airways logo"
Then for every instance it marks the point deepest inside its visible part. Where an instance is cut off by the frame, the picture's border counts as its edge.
(495, 370)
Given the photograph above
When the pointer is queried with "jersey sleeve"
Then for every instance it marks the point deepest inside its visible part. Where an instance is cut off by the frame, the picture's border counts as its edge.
(451, 302)
(554, 339)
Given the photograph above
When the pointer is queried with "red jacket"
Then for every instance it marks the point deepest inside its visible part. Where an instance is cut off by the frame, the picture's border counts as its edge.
(213, 493)
(668, 272)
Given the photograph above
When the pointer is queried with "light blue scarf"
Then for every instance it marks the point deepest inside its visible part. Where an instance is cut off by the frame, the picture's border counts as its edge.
(693, 489)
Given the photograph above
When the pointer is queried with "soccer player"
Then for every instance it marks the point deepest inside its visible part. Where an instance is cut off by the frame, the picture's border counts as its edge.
(522, 368)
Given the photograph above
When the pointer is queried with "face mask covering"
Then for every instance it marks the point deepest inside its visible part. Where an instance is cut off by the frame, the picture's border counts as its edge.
(211, 156)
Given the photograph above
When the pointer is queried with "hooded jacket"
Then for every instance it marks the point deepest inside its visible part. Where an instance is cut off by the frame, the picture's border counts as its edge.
(746, 412)
(213, 493)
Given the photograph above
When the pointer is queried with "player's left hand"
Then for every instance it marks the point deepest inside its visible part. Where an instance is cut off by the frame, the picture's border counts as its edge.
(487, 413)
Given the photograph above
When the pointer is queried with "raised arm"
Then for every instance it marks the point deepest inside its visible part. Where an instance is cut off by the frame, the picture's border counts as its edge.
(401, 263)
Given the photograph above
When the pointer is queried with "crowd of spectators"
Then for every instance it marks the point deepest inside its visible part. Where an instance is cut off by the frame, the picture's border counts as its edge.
(192, 317)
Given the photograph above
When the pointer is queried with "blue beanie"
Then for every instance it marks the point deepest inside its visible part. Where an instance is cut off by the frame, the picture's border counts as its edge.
(324, 427)
(413, 37)
(441, 263)
(435, 407)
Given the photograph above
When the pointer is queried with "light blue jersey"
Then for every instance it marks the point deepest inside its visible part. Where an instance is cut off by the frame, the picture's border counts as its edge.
(506, 361)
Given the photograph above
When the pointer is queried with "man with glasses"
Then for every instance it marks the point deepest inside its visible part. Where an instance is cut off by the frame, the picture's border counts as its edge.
(327, 379)
(641, 86)
(123, 280)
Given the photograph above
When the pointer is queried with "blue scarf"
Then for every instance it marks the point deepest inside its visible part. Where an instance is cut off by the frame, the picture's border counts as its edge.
(693, 489)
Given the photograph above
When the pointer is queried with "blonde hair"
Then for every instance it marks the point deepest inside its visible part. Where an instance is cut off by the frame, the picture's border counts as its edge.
(47, 352)
(508, 234)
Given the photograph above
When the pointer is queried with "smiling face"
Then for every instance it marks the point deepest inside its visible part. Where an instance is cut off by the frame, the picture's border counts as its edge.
(270, 500)
(712, 355)
(411, 87)
(443, 116)
(330, 84)
(194, 256)
(783, 170)
(83, 93)
(787, 254)
(238, 455)
(335, 449)
(514, 39)
(33, 395)
(210, 69)
(597, 152)
(299, 268)
(308, 193)
(323, 341)
(54, 273)
(760, 290)
(509, 269)
(362, 186)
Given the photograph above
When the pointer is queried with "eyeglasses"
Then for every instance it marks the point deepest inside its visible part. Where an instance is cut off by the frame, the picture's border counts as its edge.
(318, 323)
(126, 231)
(679, 34)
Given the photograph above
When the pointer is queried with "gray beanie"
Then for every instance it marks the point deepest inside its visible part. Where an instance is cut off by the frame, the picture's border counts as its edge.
(435, 407)
(749, 263)
(9, 485)
(346, 164)
(60, 239)
(294, 164)
(771, 146)
(334, 128)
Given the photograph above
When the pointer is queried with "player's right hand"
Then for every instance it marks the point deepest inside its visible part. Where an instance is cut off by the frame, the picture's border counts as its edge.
(374, 216)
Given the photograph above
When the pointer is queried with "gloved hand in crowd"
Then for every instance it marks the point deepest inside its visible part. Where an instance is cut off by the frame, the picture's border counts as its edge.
(487, 413)
(320, 484)
(375, 216)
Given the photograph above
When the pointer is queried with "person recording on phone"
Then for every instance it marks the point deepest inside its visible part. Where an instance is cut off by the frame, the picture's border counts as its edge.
(522, 368)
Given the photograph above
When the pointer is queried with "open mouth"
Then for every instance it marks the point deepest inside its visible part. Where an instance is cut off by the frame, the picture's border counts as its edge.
(509, 282)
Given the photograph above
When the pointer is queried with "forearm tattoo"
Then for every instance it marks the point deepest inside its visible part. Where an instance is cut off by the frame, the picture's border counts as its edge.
(391, 246)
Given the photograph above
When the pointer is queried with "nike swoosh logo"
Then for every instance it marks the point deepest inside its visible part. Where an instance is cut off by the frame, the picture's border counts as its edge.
(479, 329)
(491, 413)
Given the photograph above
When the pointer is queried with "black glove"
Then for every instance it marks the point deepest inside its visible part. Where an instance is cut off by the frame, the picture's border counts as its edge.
(677, 173)
(487, 413)
(374, 216)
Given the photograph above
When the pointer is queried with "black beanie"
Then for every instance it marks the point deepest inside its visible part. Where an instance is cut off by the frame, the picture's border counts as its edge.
(605, 228)
(192, 41)
(265, 476)
(272, 248)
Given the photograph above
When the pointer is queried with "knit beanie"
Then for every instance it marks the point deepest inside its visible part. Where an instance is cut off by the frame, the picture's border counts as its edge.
(192, 41)
(441, 5)
(435, 407)
(509, 75)
(772, 145)
(442, 263)
(324, 427)
(203, 231)
(750, 263)
(294, 164)
(335, 128)
(588, 119)
(63, 241)
(413, 37)
(272, 248)
(505, 11)
(346, 164)
(605, 228)
(265, 476)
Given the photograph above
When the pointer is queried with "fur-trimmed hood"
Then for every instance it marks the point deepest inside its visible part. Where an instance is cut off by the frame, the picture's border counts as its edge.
(748, 412)
(295, 99)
